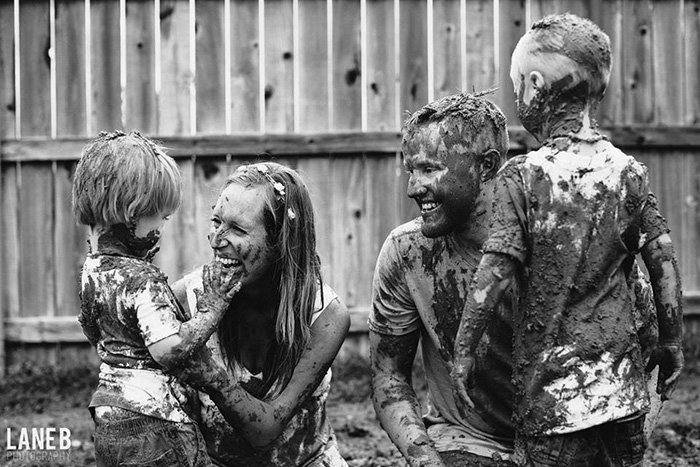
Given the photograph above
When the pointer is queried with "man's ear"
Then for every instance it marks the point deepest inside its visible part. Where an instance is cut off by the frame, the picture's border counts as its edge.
(490, 163)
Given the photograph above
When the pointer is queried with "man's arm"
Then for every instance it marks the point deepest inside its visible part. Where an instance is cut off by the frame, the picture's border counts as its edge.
(394, 399)
(485, 292)
(660, 260)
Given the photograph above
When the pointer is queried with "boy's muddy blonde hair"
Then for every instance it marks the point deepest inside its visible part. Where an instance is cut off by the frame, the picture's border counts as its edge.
(121, 177)
(567, 49)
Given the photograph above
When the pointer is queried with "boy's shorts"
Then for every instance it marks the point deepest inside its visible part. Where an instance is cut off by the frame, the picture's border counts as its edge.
(613, 444)
(124, 438)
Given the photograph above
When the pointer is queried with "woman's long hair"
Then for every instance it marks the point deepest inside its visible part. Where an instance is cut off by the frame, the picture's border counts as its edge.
(296, 271)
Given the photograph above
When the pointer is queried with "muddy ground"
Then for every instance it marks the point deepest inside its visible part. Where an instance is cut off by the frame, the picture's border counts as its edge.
(46, 399)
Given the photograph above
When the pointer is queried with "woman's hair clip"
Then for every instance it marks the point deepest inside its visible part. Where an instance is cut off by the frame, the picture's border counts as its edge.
(290, 214)
(279, 188)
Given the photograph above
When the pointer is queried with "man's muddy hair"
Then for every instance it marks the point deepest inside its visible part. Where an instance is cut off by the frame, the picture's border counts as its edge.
(289, 221)
(481, 123)
(121, 177)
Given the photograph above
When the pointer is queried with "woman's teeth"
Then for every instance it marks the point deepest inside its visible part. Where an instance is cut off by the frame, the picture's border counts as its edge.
(227, 261)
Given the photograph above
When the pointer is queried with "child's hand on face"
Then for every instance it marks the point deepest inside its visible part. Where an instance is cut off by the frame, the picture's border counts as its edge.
(219, 285)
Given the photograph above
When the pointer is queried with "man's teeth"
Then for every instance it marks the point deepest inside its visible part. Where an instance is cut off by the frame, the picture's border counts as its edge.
(425, 207)
(227, 261)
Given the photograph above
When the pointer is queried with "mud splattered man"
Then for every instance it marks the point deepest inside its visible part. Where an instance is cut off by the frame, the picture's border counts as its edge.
(452, 149)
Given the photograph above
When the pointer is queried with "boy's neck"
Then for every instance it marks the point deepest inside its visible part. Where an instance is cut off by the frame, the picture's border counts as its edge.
(572, 122)
(118, 240)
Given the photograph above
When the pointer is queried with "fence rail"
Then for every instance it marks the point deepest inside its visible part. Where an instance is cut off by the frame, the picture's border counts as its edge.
(320, 85)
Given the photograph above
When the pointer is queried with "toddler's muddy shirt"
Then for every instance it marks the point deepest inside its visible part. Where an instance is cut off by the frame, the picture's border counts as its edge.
(127, 305)
(574, 215)
(421, 284)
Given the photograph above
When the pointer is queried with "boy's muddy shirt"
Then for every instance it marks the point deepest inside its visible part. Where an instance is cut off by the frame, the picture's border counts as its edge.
(574, 215)
(127, 305)
(421, 284)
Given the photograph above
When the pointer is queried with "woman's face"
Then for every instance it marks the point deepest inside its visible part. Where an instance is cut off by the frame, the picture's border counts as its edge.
(237, 232)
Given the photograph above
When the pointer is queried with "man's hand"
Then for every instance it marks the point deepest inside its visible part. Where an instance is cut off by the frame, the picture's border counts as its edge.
(220, 284)
(461, 373)
(669, 358)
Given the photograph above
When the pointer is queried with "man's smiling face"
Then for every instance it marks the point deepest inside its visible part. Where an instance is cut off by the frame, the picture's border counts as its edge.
(443, 176)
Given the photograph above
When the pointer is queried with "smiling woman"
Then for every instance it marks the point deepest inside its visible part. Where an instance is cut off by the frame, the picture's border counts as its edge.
(266, 371)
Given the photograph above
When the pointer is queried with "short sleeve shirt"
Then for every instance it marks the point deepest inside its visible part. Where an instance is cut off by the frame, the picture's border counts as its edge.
(420, 284)
(574, 219)
(127, 305)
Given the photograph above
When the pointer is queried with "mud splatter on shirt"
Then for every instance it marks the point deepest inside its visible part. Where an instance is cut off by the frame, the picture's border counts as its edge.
(421, 284)
(574, 216)
(127, 305)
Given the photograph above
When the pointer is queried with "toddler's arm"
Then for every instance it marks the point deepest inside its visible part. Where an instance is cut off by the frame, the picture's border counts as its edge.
(485, 291)
(660, 260)
(212, 302)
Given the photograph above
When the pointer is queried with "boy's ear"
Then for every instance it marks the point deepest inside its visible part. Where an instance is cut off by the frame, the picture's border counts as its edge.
(490, 163)
(533, 83)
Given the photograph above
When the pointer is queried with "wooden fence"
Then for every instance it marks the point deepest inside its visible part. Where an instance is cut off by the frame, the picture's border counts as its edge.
(320, 85)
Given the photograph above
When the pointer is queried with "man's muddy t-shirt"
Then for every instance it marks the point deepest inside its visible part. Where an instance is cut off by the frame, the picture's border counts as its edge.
(421, 284)
(574, 216)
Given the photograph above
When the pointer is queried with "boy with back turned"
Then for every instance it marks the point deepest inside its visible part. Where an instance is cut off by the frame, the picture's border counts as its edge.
(567, 223)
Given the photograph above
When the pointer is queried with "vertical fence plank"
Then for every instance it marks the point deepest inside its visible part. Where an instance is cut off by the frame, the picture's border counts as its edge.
(70, 243)
(70, 68)
(691, 17)
(10, 241)
(279, 67)
(637, 62)
(667, 50)
(541, 8)
(209, 78)
(313, 66)
(36, 226)
(140, 95)
(316, 174)
(608, 16)
(7, 130)
(447, 47)
(174, 113)
(347, 60)
(413, 55)
(7, 70)
(35, 72)
(245, 66)
(382, 80)
(69, 240)
(105, 67)
(347, 199)
(480, 48)
(381, 181)
(511, 27)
